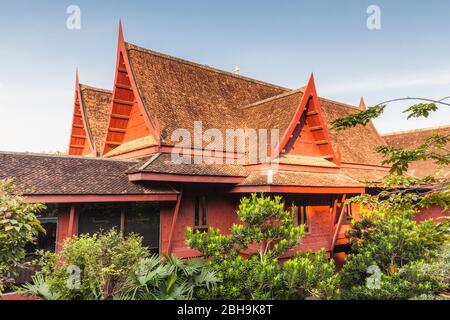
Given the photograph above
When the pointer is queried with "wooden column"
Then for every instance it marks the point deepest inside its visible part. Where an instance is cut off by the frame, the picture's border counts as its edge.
(333, 219)
(71, 227)
(174, 221)
(338, 226)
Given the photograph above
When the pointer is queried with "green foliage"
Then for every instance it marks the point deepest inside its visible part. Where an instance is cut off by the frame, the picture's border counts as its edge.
(247, 260)
(404, 251)
(432, 148)
(421, 110)
(104, 261)
(358, 118)
(18, 226)
(309, 275)
(168, 278)
(113, 267)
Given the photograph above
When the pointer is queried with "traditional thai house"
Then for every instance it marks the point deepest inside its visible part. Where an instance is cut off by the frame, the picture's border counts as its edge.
(120, 171)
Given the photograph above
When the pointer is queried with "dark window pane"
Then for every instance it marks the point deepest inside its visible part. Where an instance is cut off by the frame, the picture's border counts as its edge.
(303, 217)
(197, 212)
(143, 219)
(204, 222)
(49, 221)
(349, 214)
(98, 217)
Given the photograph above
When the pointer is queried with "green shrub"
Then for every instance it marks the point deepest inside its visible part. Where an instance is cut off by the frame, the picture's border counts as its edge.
(104, 262)
(267, 232)
(408, 255)
(18, 226)
(113, 267)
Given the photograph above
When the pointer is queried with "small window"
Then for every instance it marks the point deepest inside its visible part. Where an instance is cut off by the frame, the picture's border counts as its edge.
(348, 214)
(49, 221)
(303, 218)
(200, 214)
(143, 219)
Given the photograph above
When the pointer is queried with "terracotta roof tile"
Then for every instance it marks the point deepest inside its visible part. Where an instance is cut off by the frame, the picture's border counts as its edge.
(357, 144)
(412, 139)
(273, 113)
(97, 104)
(300, 179)
(162, 163)
(179, 92)
(365, 175)
(40, 174)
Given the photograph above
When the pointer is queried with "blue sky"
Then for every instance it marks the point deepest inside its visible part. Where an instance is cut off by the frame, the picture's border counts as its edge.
(276, 41)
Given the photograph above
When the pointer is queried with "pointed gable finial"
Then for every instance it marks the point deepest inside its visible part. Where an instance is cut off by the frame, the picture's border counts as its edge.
(362, 104)
(310, 88)
(77, 79)
(121, 37)
(311, 79)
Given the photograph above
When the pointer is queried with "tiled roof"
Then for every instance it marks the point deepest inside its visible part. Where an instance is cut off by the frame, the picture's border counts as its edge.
(299, 179)
(273, 113)
(97, 104)
(306, 161)
(412, 139)
(38, 174)
(179, 92)
(367, 175)
(162, 163)
(357, 144)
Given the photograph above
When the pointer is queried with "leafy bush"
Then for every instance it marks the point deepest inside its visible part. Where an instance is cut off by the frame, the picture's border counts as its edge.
(406, 253)
(104, 261)
(168, 278)
(18, 226)
(247, 261)
(113, 267)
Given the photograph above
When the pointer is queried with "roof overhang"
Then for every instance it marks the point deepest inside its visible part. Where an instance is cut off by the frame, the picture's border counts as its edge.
(148, 176)
(100, 198)
(297, 189)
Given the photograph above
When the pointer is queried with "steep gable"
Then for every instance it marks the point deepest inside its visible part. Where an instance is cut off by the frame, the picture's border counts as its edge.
(81, 142)
(96, 104)
(128, 120)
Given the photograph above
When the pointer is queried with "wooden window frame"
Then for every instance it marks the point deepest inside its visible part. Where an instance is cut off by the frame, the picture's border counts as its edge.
(200, 215)
(304, 214)
(348, 214)
(299, 217)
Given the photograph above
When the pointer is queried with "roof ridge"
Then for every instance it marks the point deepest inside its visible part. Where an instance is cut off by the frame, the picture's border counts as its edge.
(415, 130)
(280, 96)
(339, 103)
(85, 86)
(49, 155)
(131, 46)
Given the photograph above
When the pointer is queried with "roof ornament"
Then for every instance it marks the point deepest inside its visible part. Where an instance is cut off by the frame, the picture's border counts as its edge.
(237, 70)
